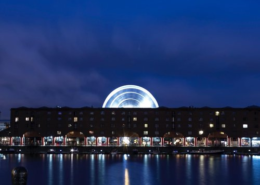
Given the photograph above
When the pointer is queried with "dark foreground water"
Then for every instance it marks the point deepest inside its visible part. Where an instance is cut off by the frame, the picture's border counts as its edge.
(133, 170)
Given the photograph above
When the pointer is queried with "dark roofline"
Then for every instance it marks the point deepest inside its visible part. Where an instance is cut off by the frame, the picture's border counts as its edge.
(161, 107)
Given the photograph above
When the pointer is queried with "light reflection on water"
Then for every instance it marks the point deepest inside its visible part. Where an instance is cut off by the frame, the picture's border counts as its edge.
(133, 169)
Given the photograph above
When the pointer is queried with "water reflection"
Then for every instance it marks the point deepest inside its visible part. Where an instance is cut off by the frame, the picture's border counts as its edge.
(92, 168)
(50, 172)
(134, 169)
(126, 177)
(101, 167)
(60, 178)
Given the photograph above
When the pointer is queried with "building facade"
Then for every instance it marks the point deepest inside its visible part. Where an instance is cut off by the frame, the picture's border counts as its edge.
(186, 126)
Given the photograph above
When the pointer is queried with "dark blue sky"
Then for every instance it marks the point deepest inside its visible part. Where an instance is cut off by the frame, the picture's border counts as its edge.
(186, 53)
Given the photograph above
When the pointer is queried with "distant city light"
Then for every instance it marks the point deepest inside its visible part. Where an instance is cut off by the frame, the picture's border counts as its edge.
(130, 96)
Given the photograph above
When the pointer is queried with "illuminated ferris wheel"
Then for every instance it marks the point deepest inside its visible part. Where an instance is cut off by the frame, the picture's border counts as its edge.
(129, 96)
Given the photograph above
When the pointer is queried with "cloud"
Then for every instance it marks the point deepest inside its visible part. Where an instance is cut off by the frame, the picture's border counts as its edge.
(77, 63)
(28, 78)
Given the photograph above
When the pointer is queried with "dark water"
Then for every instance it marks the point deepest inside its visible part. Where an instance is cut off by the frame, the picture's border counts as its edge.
(133, 170)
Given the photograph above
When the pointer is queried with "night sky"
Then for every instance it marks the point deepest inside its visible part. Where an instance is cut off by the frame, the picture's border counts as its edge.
(186, 53)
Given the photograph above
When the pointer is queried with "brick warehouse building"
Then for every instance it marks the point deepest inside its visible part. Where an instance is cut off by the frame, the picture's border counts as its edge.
(186, 126)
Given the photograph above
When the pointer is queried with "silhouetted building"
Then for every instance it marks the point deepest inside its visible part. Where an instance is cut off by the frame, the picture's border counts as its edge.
(185, 126)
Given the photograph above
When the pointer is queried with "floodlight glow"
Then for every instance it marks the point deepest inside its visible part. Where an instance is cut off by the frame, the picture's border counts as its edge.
(126, 140)
(130, 96)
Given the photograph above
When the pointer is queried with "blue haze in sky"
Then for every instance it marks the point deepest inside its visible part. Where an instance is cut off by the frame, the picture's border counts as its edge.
(186, 53)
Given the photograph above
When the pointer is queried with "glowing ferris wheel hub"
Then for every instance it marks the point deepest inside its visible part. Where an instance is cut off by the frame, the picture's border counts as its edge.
(130, 96)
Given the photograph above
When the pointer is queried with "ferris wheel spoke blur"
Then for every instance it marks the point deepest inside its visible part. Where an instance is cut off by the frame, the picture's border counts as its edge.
(130, 96)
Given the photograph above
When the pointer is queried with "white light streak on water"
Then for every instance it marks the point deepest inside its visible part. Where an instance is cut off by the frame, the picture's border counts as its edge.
(50, 170)
(60, 176)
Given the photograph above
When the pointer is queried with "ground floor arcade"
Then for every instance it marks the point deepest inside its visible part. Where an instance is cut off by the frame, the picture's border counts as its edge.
(78, 139)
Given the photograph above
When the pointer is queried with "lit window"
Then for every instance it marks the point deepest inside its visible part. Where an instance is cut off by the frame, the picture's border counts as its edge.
(113, 113)
(16, 119)
(31, 118)
(91, 132)
(217, 113)
(145, 125)
(145, 132)
(113, 132)
(134, 118)
(75, 119)
(201, 132)
(69, 125)
(223, 125)
(211, 125)
(27, 119)
(59, 132)
(245, 125)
